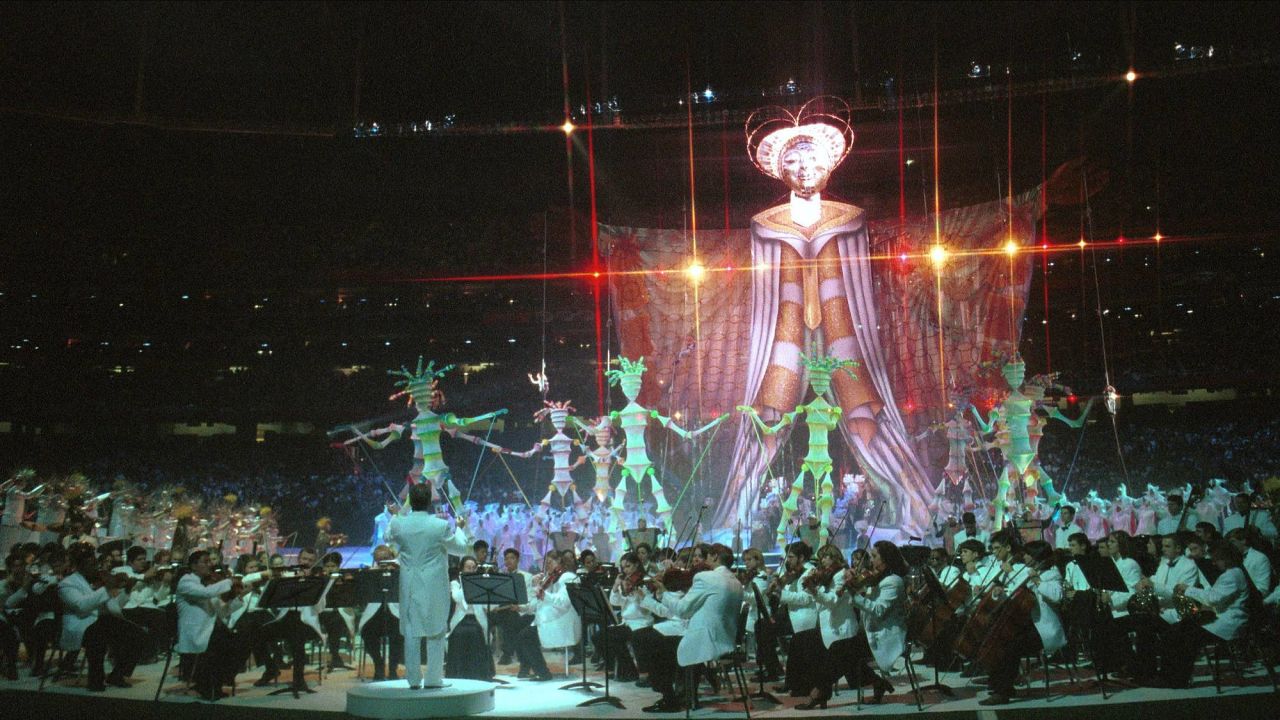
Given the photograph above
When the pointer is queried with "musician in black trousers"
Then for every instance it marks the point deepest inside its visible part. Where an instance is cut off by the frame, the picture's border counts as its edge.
(1041, 629)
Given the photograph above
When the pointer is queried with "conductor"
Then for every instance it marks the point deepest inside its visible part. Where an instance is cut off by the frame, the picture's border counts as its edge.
(425, 545)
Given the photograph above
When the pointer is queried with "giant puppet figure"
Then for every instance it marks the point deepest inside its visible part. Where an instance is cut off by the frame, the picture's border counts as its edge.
(813, 270)
(1018, 429)
(821, 418)
(561, 449)
(634, 419)
(603, 455)
(428, 459)
(812, 286)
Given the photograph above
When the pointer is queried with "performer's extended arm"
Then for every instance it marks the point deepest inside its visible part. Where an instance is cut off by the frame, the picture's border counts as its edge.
(392, 432)
(1056, 414)
(474, 440)
(451, 420)
(989, 423)
(671, 425)
(784, 421)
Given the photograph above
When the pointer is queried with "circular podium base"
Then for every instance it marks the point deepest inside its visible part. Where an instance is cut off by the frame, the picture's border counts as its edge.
(393, 700)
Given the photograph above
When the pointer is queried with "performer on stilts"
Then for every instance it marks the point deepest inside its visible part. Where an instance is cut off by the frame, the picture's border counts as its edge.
(1014, 422)
(634, 420)
(821, 417)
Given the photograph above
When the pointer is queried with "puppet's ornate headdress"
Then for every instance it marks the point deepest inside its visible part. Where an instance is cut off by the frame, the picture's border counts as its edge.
(420, 382)
(823, 121)
(628, 368)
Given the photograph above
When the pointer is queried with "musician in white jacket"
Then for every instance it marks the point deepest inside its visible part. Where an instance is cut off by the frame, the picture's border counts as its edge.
(711, 607)
(1226, 598)
(555, 622)
(425, 543)
(883, 607)
(803, 611)
(208, 652)
(1256, 565)
(468, 654)
(1175, 569)
(1043, 579)
(382, 620)
(92, 618)
(837, 627)
(627, 595)
(509, 620)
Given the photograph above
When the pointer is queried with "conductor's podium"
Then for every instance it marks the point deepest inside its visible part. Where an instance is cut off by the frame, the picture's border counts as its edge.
(393, 700)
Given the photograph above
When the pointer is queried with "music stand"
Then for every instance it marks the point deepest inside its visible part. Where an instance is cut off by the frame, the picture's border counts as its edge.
(379, 585)
(592, 608)
(291, 594)
(635, 536)
(1031, 530)
(1102, 574)
(493, 589)
(603, 576)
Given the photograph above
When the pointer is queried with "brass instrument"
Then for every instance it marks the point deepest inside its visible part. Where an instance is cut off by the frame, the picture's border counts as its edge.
(1144, 602)
(1192, 610)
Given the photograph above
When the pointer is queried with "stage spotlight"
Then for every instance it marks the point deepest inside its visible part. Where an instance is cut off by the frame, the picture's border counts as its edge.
(1158, 237)
(696, 271)
(1130, 76)
(1010, 247)
(1081, 243)
(938, 254)
(567, 127)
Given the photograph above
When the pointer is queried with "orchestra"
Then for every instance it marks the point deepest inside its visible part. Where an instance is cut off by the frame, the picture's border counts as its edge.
(821, 618)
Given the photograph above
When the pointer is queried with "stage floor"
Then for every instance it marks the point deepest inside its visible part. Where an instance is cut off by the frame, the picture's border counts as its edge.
(1251, 697)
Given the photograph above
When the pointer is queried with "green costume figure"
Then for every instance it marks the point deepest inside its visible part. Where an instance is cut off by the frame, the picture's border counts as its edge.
(426, 426)
(634, 419)
(1018, 429)
(821, 418)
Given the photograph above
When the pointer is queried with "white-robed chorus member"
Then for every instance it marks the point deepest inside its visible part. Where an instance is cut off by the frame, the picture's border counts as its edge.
(425, 543)
(381, 522)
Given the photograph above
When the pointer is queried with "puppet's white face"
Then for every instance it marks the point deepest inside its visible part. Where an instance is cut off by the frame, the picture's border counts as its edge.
(805, 167)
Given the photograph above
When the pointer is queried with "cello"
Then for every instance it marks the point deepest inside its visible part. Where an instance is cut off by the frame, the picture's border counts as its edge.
(996, 611)
(927, 617)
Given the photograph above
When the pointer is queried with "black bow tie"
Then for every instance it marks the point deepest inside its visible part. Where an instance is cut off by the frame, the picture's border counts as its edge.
(1172, 563)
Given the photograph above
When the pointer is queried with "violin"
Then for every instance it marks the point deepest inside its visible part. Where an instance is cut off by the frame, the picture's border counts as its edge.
(549, 580)
(821, 578)
(221, 573)
(784, 579)
(860, 580)
(678, 579)
(632, 581)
